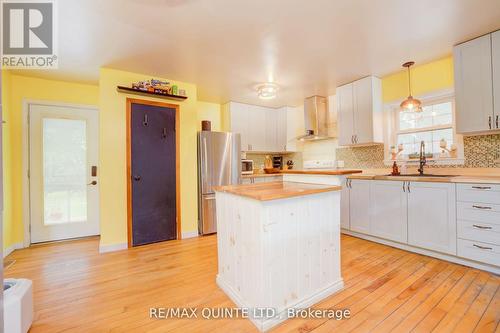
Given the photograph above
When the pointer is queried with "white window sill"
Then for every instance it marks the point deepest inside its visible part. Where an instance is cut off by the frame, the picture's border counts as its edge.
(430, 161)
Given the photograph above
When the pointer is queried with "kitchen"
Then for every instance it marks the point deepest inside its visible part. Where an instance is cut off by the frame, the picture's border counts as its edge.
(211, 166)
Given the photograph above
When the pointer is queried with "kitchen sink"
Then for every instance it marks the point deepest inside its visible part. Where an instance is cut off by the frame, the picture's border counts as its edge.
(419, 175)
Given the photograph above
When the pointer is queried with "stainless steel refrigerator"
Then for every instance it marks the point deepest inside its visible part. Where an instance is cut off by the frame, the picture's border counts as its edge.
(219, 163)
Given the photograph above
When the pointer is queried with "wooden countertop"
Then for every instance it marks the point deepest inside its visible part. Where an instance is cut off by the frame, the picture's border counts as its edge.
(276, 190)
(449, 179)
(338, 172)
(258, 175)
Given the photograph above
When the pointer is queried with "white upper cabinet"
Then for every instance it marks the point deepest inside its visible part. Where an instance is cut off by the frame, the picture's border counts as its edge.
(477, 78)
(495, 52)
(432, 216)
(359, 112)
(262, 129)
(345, 114)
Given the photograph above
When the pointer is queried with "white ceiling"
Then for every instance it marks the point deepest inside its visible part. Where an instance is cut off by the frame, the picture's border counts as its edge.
(228, 46)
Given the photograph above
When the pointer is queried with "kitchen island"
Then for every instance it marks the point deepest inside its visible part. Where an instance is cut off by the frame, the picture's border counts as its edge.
(278, 247)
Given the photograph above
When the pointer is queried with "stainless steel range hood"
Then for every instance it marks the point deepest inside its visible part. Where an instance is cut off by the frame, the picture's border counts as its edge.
(316, 119)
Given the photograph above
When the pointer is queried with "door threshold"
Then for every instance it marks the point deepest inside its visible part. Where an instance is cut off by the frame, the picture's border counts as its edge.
(65, 240)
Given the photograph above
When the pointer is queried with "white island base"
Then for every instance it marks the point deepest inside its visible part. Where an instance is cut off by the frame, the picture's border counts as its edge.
(279, 254)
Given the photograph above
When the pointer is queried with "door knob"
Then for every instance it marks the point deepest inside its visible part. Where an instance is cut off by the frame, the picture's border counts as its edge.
(137, 178)
(94, 182)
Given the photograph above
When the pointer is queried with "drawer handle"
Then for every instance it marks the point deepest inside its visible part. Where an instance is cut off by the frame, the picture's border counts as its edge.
(482, 247)
(482, 187)
(481, 227)
(480, 207)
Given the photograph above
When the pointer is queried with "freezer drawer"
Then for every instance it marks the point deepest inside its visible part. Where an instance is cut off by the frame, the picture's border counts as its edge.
(208, 214)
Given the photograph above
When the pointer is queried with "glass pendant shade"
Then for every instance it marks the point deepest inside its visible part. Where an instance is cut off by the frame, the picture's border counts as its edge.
(410, 104)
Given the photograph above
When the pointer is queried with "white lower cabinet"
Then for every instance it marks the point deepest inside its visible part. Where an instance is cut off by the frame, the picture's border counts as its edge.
(388, 208)
(344, 205)
(432, 216)
(359, 205)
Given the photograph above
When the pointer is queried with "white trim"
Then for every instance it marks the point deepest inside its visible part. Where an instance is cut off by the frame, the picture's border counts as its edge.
(112, 247)
(25, 156)
(189, 234)
(266, 324)
(442, 256)
(11, 249)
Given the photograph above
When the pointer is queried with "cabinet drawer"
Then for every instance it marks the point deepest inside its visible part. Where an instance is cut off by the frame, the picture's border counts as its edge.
(478, 212)
(479, 231)
(485, 193)
(483, 252)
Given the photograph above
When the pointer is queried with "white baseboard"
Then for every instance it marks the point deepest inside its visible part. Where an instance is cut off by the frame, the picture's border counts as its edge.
(112, 247)
(266, 324)
(11, 248)
(430, 253)
(189, 234)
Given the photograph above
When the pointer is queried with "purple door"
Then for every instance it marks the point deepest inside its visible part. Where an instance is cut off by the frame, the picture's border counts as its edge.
(153, 174)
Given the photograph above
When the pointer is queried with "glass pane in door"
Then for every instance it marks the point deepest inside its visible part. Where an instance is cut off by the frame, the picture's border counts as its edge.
(64, 170)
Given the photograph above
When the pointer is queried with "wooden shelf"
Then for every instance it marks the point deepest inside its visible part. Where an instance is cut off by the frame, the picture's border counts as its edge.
(128, 90)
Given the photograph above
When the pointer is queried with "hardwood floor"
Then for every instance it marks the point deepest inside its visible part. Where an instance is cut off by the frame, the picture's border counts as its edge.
(386, 289)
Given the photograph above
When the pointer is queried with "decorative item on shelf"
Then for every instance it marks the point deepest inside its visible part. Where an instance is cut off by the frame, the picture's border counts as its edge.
(206, 125)
(395, 169)
(289, 164)
(410, 104)
(396, 152)
(445, 152)
(182, 92)
(175, 90)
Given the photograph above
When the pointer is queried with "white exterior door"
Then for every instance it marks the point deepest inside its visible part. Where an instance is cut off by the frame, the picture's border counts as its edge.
(359, 205)
(388, 207)
(432, 216)
(64, 189)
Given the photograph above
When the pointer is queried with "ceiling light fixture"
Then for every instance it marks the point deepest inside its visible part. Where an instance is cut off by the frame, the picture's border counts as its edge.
(267, 90)
(410, 104)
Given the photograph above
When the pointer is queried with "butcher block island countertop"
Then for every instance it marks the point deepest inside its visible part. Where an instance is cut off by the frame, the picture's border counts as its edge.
(276, 190)
(281, 255)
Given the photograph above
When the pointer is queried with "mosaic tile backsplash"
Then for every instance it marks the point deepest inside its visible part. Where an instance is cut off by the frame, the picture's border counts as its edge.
(480, 151)
(369, 157)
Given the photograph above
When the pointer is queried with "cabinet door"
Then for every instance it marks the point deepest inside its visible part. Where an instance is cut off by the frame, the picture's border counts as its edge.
(281, 129)
(359, 205)
(271, 125)
(239, 123)
(473, 85)
(256, 127)
(363, 110)
(432, 216)
(388, 208)
(345, 109)
(344, 205)
(495, 53)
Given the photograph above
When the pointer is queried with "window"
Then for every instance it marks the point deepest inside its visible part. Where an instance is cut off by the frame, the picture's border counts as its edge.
(431, 125)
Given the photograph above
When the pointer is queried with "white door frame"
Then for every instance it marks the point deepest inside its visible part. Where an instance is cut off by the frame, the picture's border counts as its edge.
(26, 156)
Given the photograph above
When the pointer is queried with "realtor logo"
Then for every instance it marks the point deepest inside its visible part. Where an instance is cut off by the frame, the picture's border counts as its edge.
(28, 34)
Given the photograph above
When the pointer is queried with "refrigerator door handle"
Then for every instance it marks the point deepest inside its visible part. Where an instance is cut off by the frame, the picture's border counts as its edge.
(205, 162)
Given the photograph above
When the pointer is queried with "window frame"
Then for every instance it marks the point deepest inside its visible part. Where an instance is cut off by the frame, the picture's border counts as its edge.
(392, 122)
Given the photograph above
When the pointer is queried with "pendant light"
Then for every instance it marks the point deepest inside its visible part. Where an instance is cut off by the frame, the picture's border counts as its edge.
(410, 104)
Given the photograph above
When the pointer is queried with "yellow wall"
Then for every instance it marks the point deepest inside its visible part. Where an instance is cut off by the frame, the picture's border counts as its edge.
(113, 196)
(210, 111)
(436, 75)
(15, 89)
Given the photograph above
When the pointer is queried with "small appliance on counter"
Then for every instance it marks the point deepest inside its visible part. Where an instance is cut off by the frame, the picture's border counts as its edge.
(278, 162)
(289, 164)
(246, 167)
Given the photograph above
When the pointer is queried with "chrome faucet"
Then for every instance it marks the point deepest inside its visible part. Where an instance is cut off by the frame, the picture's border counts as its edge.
(423, 161)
